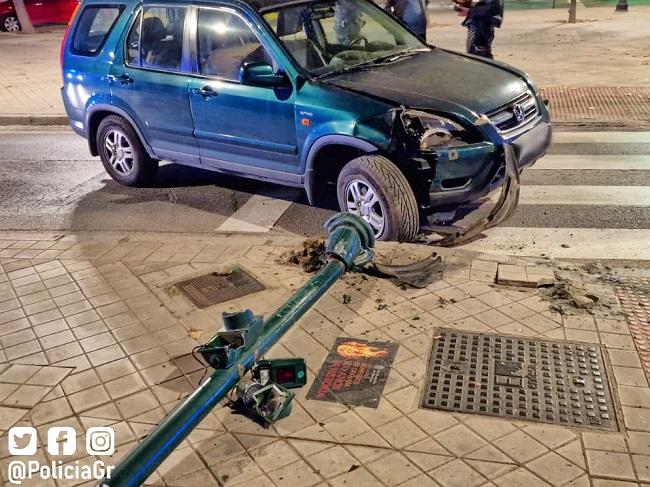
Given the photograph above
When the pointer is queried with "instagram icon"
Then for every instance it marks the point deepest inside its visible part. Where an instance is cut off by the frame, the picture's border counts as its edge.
(100, 441)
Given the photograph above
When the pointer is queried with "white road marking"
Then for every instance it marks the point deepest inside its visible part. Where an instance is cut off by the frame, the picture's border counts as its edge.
(585, 163)
(585, 195)
(261, 212)
(583, 243)
(601, 137)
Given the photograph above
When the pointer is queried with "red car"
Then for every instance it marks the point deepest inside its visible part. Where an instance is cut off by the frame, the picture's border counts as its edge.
(40, 12)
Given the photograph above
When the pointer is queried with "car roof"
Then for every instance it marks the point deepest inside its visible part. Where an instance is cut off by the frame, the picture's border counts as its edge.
(259, 5)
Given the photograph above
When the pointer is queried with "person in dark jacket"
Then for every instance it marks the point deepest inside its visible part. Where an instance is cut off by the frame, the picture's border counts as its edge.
(480, 20)
(412, 13)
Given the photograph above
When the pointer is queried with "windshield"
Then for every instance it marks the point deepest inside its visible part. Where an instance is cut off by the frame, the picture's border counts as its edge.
(339, 35)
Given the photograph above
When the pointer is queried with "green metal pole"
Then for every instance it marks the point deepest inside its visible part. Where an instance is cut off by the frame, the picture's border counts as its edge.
(349, 237)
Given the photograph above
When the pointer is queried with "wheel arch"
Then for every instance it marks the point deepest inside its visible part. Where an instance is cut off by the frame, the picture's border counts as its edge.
(347, 146)
(98, 113)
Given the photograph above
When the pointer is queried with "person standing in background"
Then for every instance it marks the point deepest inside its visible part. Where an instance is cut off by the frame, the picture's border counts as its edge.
(480, 20)
(412, 13)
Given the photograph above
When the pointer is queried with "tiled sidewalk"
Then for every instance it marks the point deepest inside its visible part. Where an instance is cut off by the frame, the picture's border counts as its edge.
(103, 340)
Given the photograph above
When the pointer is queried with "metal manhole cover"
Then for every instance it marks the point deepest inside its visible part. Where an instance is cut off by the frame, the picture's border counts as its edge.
(520, 378)
(599, 103)
(215, 288)
(634, 296)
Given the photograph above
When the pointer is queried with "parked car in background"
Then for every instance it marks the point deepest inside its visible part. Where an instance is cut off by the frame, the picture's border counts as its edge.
(40, 12)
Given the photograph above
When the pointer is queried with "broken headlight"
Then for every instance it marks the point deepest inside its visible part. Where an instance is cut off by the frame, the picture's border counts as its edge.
(431, 130)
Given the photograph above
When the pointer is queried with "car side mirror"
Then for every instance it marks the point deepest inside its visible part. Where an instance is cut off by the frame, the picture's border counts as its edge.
(261, 74)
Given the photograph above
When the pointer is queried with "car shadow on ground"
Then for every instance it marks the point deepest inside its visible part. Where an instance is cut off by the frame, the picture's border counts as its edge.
(182, 198)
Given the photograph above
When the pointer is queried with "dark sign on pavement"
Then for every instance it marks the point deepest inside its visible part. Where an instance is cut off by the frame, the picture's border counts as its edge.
(354, 372)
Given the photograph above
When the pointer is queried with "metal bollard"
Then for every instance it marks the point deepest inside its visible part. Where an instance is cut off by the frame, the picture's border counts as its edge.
(349, 245)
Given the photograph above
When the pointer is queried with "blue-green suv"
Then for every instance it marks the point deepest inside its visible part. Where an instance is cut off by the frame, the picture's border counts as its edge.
(333, 96)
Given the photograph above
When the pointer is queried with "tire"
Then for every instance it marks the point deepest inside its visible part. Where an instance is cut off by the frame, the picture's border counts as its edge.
(393, 197)
(9, 23)
(131, 167)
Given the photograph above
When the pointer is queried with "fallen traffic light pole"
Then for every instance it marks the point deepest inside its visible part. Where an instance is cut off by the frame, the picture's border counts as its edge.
(236, 349)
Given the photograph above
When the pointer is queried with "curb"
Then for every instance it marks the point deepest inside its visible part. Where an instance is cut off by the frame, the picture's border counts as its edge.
(33, 120)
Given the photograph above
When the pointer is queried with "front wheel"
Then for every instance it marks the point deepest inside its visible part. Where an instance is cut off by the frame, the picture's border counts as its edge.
(375, 189)
(9, 23)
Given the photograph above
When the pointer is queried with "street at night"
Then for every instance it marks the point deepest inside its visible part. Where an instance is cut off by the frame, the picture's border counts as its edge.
(325, 243)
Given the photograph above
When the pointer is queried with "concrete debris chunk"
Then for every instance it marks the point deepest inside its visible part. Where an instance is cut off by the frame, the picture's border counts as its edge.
(525, 275)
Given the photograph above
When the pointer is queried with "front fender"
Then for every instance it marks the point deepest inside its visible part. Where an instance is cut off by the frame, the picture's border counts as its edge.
(323, 141)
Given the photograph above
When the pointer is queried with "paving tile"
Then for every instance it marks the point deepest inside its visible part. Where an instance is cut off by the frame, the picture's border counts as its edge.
(456, 474)
(136, 404)
(639, 442)
(604, 441)
(459, 440)
(555, 469)
(332, 462)
(634, 396)
(63, 352)
(10, 416)
(345, 426)
(519, 446)
(125, 386)
(57, 339)
(642, 466)
(550, 436)
(610, 464)
(630, 377)
(299, 474)
(401, 432)
(26, 396)
(105, 355)
(520, 478)
(394, 469)
(636, 418)
(88, 399)
(613, 483)
(490, 470)
(427, 461)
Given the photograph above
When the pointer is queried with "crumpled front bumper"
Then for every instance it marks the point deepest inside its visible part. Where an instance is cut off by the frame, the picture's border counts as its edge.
(466, 173)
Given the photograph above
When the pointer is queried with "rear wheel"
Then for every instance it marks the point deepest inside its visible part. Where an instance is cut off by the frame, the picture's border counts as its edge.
(122, 153)
(9, 23)
(375, 189)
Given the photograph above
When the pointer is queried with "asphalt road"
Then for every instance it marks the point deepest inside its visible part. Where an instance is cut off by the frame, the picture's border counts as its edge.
(48, 181)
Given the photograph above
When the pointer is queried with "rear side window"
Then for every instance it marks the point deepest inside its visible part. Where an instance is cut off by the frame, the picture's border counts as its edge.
(156, 38)
(95, 23)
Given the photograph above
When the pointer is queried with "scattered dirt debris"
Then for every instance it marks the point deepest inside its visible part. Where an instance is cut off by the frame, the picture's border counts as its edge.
(311, 257)
(195, 333)
(566, 296)
(347, 299)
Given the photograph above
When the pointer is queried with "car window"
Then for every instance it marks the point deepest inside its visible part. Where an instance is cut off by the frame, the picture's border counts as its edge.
(95, 23)
(226, 43)
(156, 38)
(331, 36)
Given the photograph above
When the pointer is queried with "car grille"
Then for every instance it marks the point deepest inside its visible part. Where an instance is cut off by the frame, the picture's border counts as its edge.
(515, 113)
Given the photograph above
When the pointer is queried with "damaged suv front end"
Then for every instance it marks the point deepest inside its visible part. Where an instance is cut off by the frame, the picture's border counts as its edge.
(429, 129)
(463, 159)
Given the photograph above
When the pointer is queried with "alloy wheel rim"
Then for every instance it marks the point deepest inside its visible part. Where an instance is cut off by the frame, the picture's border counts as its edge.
(119, 151)
(12, 24)
(362, 199)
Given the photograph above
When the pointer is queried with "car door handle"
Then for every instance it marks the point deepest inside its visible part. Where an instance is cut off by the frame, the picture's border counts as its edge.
(124, 79)
(206, 92)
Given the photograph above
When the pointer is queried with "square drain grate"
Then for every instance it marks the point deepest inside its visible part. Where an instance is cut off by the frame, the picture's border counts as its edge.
(215, 288)
(520, 378)
(634, 296)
